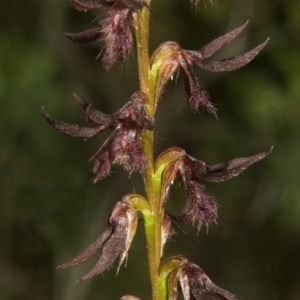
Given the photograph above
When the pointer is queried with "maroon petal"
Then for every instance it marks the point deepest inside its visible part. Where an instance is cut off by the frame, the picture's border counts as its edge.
(118, 39)
(232, 63)
(200, 100)
(121, 220)
(73, 130)
(115, 240)
(212, 47)
(90, 251)
(110, 251)
(86, 36)
(223, 293)
(87, 5)
(197, 99)
(95, 116)
(229, 169)
(200, 208)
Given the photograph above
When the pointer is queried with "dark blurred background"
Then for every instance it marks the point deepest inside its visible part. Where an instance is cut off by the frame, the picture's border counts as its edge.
(50, 209)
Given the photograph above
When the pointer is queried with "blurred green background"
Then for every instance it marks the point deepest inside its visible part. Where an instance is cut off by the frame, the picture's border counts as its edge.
(50, 209)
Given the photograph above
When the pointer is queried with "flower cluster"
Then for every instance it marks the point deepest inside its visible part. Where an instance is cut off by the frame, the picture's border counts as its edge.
(130, 144)
(123, 146)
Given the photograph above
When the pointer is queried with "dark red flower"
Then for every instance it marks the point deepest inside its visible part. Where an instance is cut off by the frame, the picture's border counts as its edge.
(123, 146)
(114, 241)
(200, 207)
(169, 59)
(195, 284)
(115, 29)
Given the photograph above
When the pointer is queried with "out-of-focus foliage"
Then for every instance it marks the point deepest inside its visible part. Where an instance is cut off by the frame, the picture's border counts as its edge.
(50, 210)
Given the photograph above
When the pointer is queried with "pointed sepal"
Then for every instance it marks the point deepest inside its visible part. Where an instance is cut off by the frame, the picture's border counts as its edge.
(86, 36)
(226, 170)
(113, 242)
(70, 129)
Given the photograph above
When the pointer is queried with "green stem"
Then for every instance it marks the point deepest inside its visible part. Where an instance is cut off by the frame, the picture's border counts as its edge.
(142, 40)
(153, 224)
